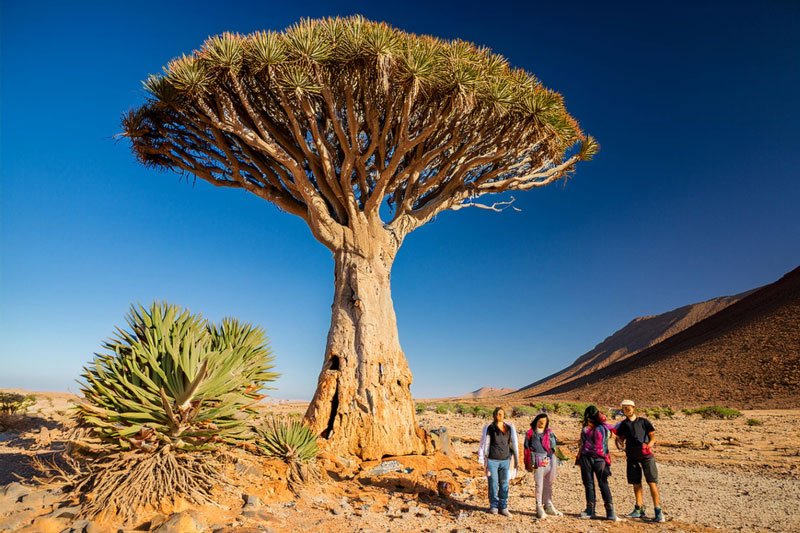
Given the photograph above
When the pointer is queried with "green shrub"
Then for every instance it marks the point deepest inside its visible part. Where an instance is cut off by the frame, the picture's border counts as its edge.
(445, 408)
(288, 440)
(421, 408)
(171, 384)
(754, 422)
(519, 411)
(175, 379)
(658, 412)
(714, 411)
(12, 403)
(292, 442)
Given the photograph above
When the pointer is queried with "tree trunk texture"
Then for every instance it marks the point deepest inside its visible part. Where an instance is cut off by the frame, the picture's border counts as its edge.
(363, 404)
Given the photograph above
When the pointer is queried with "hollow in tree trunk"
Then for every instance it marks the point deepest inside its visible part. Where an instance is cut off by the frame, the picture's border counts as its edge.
(363, 402)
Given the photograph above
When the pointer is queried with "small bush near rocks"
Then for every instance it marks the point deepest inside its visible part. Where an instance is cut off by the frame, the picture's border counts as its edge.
(658, 412)
(421, 408)
(12, 410)
(714, 411)
(754, 422)
(12, 403)
(292, 442)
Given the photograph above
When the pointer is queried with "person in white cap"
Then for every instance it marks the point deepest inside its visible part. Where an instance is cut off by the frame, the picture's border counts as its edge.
(637, 436)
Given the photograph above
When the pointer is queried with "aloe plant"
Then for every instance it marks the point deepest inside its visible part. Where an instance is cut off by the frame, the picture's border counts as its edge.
(288, 440)
(175, 379)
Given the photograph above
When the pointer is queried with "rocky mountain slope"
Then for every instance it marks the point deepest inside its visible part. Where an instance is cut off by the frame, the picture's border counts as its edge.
(746, 355)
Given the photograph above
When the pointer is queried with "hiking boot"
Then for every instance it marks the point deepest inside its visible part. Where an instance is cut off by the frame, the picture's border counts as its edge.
(540, 512)
(659, 515)
(610, 514)
(493, 510)
(505, 512)
(551, 510)
(638, 512)
(588, 512)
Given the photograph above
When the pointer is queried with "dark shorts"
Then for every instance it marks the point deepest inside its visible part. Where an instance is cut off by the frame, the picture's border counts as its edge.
(646, 465)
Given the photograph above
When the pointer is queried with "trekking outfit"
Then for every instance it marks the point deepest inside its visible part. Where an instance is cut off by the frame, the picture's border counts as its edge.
(540, 449)
(595, 462)
(639, 457)
(495, 452)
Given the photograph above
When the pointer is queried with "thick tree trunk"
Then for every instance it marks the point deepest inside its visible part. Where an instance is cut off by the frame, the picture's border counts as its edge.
(363, 403)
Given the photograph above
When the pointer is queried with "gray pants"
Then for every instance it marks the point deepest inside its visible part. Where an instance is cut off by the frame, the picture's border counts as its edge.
(544, 477)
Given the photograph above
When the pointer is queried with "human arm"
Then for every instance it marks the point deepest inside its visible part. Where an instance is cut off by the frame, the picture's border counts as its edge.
(514, 446)
(483, 445)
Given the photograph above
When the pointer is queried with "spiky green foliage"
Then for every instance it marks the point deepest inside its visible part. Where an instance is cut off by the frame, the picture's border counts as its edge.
(288, 440)
(174, 379)
(294, 443)
(335, 116)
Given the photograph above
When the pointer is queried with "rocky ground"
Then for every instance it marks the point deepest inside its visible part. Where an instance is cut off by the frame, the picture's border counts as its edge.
(715, 475)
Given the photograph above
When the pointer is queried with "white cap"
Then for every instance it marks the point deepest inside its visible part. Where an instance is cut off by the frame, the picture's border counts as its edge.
(627, 402)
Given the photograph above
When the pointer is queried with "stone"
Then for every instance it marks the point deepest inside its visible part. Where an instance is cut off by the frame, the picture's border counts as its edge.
(92, 527)
(46, 524)
(441, 440)
(385, 467)
(183, 522)
(78, 526)
(251, 500)
(14, 491)
(39, 499)
(65, 512)
(18, 520)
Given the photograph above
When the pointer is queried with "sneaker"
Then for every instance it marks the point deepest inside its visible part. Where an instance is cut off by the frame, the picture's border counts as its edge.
(551, 510)
(587, 513)
(611, 514)
(540, 512)
(659, 515)
(505, 512)
(493, 510)
(638, 512)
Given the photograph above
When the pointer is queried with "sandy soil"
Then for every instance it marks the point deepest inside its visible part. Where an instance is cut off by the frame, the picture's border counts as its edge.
(715, 475)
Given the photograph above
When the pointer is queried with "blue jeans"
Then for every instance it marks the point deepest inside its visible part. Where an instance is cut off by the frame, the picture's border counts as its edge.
(498, 479)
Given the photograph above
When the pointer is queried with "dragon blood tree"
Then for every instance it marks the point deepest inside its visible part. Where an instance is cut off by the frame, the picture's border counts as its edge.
(366, 133)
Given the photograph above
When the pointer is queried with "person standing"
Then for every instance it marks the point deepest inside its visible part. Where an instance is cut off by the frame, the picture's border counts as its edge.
(637, 435)
(540, 441)
(498, 454)
(595, 461)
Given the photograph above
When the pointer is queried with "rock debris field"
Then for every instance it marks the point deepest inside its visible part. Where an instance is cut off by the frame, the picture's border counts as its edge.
(715, 475)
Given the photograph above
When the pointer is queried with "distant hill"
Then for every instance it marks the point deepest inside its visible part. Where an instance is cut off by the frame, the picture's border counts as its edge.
(486, 392)
(746, 355)
(639, 334)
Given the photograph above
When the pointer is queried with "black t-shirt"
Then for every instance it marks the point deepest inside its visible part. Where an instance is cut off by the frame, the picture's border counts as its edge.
(635, 434)
(499, 442)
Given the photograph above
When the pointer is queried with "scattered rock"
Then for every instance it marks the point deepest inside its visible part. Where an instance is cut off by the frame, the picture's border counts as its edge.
(46, 524)
(441, 440)
(13, 492)
(385, 467)
(18, 520)
(183, 522)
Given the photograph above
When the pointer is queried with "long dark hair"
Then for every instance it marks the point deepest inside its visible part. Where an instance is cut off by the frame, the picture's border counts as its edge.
(539, 417)
(592, 414)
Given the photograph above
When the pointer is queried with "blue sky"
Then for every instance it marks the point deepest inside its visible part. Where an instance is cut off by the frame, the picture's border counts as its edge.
(693, 195)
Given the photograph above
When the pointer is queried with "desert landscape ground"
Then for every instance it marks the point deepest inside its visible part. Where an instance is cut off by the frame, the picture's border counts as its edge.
(729, 475)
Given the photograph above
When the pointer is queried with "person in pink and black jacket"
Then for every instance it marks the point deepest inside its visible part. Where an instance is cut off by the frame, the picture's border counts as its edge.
(595, 461)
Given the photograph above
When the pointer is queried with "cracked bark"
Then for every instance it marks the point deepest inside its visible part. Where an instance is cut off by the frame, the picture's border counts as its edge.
(363, 404)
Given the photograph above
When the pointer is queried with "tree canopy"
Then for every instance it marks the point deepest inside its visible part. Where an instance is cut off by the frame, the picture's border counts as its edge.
(340, 119)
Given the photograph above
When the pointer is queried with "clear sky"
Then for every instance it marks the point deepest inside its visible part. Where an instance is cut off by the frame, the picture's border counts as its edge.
(694, 194)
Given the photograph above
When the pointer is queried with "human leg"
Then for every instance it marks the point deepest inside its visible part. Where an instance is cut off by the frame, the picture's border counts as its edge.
(502, 478)
(549, 480)
(492, 482)
(587, 477)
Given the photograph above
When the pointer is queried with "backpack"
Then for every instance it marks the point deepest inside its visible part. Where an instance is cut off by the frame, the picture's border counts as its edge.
(527, 455)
